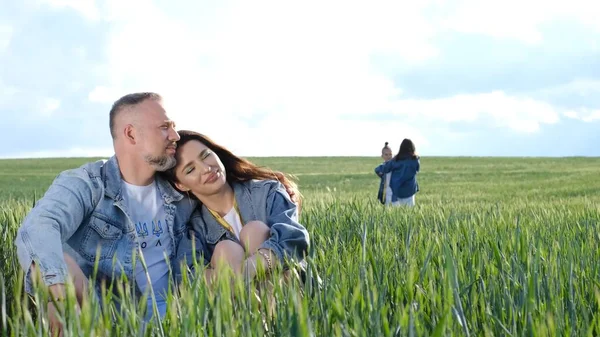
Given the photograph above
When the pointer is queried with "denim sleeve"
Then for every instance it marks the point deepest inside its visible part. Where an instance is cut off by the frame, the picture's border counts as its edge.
(288, 238)
(56, 216)
(386, 167)
(378, 171)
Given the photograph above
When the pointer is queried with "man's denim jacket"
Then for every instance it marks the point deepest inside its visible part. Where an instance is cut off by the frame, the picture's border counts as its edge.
(82, 213)
(264, 200)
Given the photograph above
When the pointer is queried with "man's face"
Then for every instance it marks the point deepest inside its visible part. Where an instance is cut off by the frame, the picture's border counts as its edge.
(157, 136)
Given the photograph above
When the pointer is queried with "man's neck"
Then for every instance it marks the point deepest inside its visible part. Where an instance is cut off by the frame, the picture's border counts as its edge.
(135, 171)
(220, 202)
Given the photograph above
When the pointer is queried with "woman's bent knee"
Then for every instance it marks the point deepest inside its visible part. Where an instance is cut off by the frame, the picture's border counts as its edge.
(253, 234)
(229, 253)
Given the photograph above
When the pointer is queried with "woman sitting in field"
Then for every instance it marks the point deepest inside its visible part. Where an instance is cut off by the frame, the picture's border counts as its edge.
(404, 168)
(245, 217)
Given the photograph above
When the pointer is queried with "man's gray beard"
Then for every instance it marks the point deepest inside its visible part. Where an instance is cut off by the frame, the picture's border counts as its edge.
(161, 163)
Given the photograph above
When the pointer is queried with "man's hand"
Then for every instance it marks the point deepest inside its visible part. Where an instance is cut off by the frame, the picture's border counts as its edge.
(292, 190)
(54, 322)
(58, 293)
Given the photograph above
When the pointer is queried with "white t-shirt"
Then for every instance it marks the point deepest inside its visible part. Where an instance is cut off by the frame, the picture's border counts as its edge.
(388, 190)
(233, 219)
(153, 240)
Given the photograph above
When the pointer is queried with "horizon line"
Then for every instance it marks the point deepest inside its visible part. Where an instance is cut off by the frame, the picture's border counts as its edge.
(335, 156)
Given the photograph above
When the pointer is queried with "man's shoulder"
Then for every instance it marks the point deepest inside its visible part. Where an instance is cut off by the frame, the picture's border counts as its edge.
(87, 172)
(94, 167)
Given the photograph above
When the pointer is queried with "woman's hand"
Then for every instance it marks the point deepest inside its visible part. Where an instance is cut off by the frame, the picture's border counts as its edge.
(251, 265)
(250, 268)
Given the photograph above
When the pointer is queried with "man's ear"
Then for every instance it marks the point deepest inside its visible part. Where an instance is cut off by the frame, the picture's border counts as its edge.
(181, 187)
(129, 133)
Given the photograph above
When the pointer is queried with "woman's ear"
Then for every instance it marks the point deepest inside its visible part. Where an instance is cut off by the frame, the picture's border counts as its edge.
(181, 187)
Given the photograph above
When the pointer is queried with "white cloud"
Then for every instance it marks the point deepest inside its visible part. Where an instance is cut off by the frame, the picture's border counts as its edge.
(520, 114)
(6, 32)
(584, 90)
(571, 114)
(282, 136)
(592, 115)
(279, 75)
(265, 61)
(497, 19)
(68, 153)
(8, 92)
(102, 94)
(586, 115)
(582, 87)
(520, 20)
(48, 106)
(87, 8)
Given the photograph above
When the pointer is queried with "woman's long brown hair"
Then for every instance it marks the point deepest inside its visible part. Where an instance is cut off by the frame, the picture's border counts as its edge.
(407, 150)
(236, 169)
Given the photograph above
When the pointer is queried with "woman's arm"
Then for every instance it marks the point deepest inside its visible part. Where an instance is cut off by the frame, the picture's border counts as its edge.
(288, 238)
(386, 167)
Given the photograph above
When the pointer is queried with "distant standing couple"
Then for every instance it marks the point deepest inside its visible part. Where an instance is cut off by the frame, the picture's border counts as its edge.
(398, 185)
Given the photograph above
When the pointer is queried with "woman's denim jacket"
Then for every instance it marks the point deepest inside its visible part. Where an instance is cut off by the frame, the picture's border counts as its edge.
(83, 214)
(404, 176)
(263, 200)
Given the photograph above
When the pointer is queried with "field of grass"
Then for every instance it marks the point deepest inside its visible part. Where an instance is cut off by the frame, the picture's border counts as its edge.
(495, 247)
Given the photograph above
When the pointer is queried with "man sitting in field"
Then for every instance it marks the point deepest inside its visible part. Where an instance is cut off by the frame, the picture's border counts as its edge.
(111, 212)
(105, 209)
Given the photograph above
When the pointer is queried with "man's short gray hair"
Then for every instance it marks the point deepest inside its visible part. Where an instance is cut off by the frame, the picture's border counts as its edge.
(126, 102)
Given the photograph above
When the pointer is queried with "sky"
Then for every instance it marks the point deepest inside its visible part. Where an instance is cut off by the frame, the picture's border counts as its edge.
(307, 78)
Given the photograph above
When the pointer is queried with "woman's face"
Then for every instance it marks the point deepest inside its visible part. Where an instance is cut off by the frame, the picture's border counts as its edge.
(386, 154)
(199, 170)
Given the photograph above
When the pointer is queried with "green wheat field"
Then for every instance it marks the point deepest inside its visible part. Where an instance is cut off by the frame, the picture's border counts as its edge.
(494, 247)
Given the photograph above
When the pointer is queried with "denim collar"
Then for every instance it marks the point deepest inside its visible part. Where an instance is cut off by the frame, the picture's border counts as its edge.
(113, 182)
(247, 211)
